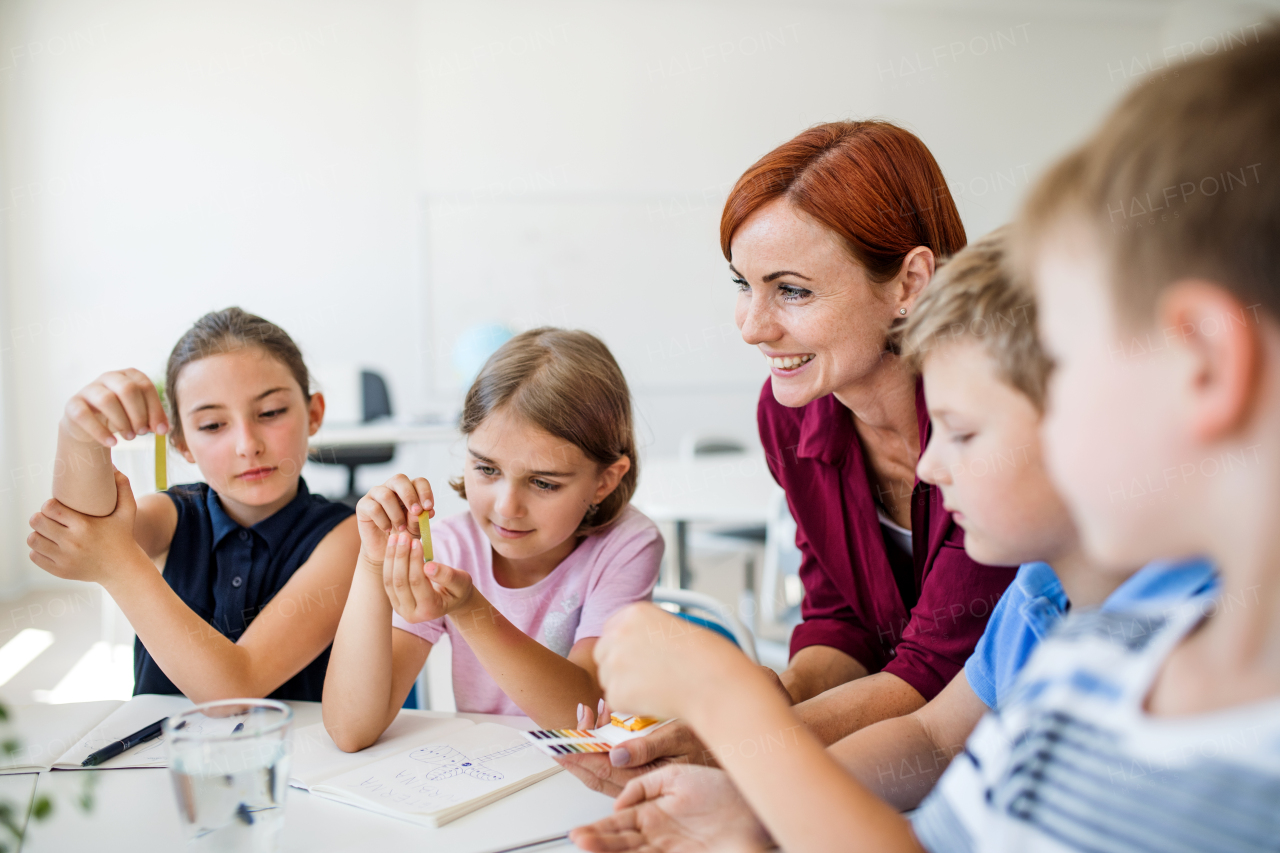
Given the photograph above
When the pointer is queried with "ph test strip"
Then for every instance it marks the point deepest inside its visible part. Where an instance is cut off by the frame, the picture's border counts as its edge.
(162, 468)
(424, 528)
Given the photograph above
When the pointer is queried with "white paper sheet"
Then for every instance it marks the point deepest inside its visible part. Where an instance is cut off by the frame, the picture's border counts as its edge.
(442, 781)
(138, 713)
(316, 758)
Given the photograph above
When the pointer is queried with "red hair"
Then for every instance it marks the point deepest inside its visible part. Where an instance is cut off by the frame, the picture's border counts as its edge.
(871, 182)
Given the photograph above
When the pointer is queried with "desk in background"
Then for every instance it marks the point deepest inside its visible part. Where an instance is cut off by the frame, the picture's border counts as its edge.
(382, 432)
(135, 811)
(719, 489)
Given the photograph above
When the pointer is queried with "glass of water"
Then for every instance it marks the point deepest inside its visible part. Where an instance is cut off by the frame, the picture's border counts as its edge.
(229, 761)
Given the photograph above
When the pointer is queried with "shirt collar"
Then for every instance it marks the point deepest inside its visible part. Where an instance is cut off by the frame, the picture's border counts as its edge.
(1164, 580)
(826, 428)
(272, 530)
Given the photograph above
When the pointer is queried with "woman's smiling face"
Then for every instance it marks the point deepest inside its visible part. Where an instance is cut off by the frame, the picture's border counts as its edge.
(811, 309)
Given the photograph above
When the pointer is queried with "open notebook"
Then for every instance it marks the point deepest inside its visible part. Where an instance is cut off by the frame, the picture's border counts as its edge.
(139, 712)
(423, 770)
(59, 737)
(41, 733)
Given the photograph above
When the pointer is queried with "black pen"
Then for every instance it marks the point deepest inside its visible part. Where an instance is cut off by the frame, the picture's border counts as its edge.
(113, 749)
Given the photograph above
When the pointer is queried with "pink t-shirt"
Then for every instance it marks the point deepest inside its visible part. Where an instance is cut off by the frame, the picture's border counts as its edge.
(605, 573)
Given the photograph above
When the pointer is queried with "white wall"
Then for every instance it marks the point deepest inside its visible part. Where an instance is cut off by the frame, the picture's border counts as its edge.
(379, 175)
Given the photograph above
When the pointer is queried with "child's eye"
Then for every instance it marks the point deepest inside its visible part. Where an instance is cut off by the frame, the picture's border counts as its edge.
(961, 437)
(273, 413)
(487, 470)
(742, 285)
(791, 293)
(545, 486)
(213, 427)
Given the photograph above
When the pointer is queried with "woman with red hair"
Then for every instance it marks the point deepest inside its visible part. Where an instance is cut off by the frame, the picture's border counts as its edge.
(830, 240)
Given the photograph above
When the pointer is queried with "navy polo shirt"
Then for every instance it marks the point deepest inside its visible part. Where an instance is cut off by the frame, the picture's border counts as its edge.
(227, 573)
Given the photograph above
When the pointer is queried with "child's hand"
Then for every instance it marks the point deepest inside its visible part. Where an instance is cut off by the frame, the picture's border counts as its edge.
(80, 547)
(122, 401)
(418, 592)
(651, 662)
(391, 508)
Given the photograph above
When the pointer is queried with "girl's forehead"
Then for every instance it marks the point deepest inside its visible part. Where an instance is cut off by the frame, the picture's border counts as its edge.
(514, 442)
(244, 372)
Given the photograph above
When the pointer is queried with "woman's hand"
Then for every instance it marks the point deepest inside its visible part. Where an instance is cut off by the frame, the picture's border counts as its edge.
(122, 401)
(609, 774)
(651, 662)
(674, 809)
(392, 507)
(418, 592)
(71, 545)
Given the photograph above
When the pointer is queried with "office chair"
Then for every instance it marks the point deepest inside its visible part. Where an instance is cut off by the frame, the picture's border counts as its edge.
(375, 403)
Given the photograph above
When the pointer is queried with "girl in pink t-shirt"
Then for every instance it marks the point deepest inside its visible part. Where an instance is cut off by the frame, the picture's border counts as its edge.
(524, 581)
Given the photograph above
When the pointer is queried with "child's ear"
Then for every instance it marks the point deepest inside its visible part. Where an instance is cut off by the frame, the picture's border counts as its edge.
(1223, 338)
(315, 413)
(180, 444)
(610, 477)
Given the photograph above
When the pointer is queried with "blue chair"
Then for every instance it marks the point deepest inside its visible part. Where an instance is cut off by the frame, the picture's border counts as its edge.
(707, 612)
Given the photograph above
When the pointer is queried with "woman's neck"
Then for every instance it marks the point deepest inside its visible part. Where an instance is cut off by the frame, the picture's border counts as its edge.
(884, 400)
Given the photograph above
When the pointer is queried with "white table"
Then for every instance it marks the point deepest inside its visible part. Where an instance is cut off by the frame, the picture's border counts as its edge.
(382, 432)
(719, 489)
(135, 811)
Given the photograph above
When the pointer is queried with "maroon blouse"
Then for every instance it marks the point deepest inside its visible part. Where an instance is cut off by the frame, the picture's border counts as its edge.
(920, 623)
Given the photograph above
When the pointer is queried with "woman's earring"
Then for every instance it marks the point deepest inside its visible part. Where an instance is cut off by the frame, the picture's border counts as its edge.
(592, 510)
(902, 310)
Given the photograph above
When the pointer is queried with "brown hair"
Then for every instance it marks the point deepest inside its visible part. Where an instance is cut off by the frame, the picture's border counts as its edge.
(567, 384)
(224, 331)
(972, 297)
(1178, 182)
(871, 182)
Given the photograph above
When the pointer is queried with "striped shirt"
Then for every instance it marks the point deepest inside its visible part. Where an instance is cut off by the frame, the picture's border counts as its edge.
(1071, 762)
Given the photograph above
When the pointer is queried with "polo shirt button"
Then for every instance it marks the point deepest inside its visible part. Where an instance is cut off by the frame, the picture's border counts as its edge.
(244, 536)
(235, 581)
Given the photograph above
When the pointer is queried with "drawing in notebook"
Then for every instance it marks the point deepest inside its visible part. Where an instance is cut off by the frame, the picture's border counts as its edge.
(433, 784)
(450, 762)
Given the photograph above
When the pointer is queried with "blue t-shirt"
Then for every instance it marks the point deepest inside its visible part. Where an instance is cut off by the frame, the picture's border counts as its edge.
(1034, 603)
(227, 573)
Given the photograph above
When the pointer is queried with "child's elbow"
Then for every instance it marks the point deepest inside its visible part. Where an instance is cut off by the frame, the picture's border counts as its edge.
(346, 740)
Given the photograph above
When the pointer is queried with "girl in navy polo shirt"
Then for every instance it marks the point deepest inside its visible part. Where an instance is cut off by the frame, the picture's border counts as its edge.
(254, 569)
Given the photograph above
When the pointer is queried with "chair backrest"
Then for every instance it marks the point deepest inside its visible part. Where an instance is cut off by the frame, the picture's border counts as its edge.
(694, 445)
(781, 562)
(711, 614)
(375, 399)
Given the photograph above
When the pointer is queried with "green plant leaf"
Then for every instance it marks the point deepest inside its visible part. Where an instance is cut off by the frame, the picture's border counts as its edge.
(42, 807)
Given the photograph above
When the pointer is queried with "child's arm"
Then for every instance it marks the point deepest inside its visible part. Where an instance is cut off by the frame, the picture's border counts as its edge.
(651, 662)
(902, 758)
(372, 665)
(289, 633)
(122, 401)
(125, 402)
(545, 685)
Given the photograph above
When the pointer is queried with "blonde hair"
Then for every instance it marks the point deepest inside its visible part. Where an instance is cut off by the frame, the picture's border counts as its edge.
(1178, 182)
(972, 297)
(565, 383)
